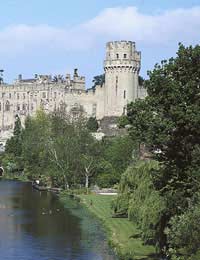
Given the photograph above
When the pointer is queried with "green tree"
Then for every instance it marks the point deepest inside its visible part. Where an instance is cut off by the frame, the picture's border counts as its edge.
(92, 124)
(117, 154)
(139, 200)
(98, 80)
(72, 149)
(184, 234)
(168, 122)
(13, 145)
(34, 145)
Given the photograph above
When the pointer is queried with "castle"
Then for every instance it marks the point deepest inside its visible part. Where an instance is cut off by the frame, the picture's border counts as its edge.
(25, 96)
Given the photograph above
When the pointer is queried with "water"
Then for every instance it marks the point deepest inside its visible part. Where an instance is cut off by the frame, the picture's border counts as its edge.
(35, 226)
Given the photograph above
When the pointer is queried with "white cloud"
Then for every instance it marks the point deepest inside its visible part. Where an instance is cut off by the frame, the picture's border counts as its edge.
(111, 24)
(169, 26)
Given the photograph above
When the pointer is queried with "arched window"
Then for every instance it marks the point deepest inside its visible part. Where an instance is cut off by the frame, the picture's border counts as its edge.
(7, 106)
(117, 55)
(125, 55)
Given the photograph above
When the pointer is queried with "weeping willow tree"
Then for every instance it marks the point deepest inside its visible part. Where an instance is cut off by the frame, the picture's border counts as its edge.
(139, 201)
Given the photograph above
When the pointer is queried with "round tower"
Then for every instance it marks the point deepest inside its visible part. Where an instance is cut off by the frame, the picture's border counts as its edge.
(122, 66)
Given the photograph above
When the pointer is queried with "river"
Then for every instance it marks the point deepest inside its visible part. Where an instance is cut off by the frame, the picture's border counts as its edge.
(35, 226)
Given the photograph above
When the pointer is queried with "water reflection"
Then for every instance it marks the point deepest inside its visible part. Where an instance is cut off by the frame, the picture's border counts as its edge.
(34, 225)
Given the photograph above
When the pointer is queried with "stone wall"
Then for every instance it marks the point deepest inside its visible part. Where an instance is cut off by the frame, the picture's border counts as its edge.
(26, 96)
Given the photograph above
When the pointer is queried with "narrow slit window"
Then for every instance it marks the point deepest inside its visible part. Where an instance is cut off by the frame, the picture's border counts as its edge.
(125, 56)
(124, 94)
(117, 56)
(116, 87)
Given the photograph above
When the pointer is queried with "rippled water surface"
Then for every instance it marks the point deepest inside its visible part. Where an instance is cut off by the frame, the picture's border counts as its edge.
(35, 226)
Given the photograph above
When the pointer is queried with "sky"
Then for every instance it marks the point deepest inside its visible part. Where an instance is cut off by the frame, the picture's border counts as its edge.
(56, 36)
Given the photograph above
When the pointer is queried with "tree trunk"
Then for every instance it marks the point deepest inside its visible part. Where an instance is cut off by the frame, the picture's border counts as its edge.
(86, 181)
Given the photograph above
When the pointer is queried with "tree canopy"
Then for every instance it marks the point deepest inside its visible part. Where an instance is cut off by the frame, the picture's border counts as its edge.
(167, 122)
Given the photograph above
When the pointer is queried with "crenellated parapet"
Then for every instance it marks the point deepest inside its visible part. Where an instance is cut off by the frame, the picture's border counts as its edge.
(68, 92)
(122, 55)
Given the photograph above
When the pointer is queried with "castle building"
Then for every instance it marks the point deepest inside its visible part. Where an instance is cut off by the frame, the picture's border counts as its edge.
(25, 96)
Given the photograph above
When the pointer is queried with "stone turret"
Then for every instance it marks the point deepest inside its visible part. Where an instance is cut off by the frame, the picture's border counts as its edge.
(122, 66)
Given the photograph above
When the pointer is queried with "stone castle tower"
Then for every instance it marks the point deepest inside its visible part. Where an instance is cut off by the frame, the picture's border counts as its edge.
(122, 66)
(25, 96)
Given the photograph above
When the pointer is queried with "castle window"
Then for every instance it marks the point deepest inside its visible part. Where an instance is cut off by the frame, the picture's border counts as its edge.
(125, 56)
(94, 110)
(24, 95)
(17, 95)
(117, 55)
(7, 106)
(124, 94)
(23, 107)
(9, 95)
(18, 107)
(116, 87)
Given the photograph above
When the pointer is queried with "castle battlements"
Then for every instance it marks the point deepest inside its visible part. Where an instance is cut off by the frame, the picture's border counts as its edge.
(68, 93)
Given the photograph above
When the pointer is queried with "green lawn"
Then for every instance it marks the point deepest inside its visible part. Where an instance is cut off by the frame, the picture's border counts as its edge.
(120, 230)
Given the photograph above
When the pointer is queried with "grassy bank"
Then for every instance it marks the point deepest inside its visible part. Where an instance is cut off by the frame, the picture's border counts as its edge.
(18, 177)
(122, 234)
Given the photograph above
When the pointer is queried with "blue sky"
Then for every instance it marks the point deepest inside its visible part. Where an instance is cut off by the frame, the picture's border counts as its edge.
(53, 37)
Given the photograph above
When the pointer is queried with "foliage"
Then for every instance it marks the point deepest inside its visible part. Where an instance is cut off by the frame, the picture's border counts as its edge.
(139, 200)
(168, 122)
(99, 80)
(92, 124)
(141, 81)
(12, 160)
(13, 145)
(106, 175)
(123, 121)
(34, 150)
(184, 233)
(117, 154)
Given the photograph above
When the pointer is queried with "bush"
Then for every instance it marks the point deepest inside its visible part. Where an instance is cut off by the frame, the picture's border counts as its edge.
(184, 234)
(92, 124)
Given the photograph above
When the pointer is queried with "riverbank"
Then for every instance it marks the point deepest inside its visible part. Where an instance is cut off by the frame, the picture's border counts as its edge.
(122, 234)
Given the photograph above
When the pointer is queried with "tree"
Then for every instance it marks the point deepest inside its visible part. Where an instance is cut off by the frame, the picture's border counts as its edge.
(139, 200)
(90, 158)
(34, 148)
(168, 122)
(117, 154)
(99, 80)
(72, 149)
(184, 234)
(92, 124)
(141, 81)
(13, 145)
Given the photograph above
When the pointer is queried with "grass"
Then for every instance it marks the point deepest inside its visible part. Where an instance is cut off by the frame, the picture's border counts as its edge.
(121, 232)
